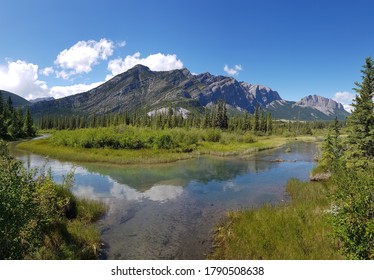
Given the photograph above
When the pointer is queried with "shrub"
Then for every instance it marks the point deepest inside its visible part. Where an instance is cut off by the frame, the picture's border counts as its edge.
(164, 141)
(213, 135)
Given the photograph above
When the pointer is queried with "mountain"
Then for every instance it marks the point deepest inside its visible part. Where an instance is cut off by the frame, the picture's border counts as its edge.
(41, 99)
(240, 95)
(141, 88)
(18, 101)
(312, 107)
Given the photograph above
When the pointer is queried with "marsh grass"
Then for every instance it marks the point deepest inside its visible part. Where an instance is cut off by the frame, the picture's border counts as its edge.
(295, 230)
(146, 146)
(149, 147)
(90, 211)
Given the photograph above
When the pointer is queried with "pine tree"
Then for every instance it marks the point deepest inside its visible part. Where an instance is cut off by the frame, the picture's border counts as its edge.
(328, 156)
(1, 104)
(28, 128)
(256, 120)
(3, 128)
(169, 117)
(262, 121)
(269, 123)
(337, 145)
(360, 140)
(221, 119)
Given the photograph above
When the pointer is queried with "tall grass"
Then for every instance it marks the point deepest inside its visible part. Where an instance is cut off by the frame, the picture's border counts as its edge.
(134, 145)
(299, 229)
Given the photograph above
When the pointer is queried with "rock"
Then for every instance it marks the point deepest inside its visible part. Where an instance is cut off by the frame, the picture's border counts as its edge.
(320, 177)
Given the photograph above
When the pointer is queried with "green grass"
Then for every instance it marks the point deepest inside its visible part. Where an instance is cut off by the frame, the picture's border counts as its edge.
(103, 155)
(129, 145)
(299, 229)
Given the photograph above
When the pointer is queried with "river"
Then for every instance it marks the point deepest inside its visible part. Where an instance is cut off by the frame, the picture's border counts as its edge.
(169, 211)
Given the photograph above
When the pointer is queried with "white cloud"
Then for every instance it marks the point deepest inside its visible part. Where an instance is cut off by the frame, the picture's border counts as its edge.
(232, 71)
(47, 71)
(155, 62)
(22, 79)
(82, 56)
(121, 44)
(63, 91)
(345, 98)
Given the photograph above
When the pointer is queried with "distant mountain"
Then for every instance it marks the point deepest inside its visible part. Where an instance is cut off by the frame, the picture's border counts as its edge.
(41, 99)
(140, 88)
(312, 107)
(18, 101)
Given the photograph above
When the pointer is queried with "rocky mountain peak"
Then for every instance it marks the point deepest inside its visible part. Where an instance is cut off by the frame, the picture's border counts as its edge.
(263, 95)
(323, 104)
(139, 67)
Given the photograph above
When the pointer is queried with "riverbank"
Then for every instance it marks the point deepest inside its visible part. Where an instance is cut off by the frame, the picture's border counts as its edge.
(228, 144)
(294, 230)
(42, 220)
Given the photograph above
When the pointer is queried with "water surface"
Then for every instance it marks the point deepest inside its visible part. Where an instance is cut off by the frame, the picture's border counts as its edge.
(169, 211)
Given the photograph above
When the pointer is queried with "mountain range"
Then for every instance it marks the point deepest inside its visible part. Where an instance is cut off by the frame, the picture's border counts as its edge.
(141, 88)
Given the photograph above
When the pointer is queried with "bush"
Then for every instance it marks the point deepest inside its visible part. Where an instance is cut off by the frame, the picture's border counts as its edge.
(35, 214)
(354, 212)
(213, 135)
(164, 141)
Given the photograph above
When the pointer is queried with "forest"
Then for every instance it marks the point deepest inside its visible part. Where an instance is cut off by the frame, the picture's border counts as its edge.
(14, 123)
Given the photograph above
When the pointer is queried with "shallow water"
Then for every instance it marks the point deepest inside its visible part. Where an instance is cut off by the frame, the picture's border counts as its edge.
(169, 211)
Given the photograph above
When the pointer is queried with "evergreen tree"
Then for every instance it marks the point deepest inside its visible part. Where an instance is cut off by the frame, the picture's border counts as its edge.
(28, 128)
(169, 117)
(256, 120)
(10, 105)
(262, 121)
(221, 120)
(337, 145)
(269, 123)
(16, 124)
(360, 140)
(1, 104)
(3, 128)
(225, 121)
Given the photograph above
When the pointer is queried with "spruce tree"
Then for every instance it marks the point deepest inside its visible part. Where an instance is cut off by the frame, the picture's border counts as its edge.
(1, 104)
(360, 140)
(256, 120)
(28, 128)
(269, 123)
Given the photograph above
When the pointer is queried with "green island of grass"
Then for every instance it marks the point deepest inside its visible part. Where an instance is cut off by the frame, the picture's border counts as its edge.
(130, 145)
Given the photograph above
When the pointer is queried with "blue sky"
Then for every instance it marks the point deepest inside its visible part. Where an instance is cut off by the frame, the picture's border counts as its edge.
(57, 48)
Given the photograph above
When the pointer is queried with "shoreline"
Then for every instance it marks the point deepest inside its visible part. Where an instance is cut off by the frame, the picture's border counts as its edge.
(43, 146)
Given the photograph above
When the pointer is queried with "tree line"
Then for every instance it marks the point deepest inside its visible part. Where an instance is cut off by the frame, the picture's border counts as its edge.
(215, 117)
(14, 123)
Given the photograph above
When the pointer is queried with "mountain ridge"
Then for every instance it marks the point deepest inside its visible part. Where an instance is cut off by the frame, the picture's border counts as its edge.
(17, 100)
(142, 88)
